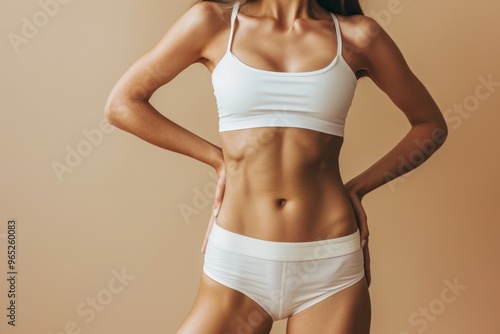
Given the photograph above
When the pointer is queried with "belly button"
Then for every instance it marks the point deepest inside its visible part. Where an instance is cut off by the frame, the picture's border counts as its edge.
(281, 202)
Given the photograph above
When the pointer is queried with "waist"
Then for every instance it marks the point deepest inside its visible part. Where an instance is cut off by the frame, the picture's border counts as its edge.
(283, 251)
(296, 176)
(295, 211)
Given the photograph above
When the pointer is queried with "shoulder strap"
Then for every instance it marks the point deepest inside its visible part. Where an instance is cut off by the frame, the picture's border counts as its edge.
(339, 36)
(233, 18)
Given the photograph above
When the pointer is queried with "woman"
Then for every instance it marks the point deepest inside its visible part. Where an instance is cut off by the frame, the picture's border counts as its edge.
(287, 239)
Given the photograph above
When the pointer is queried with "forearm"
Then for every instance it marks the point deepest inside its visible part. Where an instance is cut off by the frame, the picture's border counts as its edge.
(141, 119)
(414, 149)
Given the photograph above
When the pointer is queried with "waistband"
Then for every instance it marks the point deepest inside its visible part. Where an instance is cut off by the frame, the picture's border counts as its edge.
(282, 251)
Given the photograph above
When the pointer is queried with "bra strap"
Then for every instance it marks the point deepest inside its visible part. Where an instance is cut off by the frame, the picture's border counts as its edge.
(233, 18)
(339, 36)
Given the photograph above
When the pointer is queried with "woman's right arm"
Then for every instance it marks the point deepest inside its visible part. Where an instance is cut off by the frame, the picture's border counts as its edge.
(128, 106)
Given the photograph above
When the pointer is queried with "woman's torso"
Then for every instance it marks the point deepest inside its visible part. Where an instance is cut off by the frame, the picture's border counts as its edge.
(283, 183)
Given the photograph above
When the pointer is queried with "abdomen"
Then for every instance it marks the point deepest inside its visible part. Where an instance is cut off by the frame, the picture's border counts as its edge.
(283, 184)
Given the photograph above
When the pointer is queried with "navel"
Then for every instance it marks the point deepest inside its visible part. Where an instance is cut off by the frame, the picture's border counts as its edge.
(280, 202)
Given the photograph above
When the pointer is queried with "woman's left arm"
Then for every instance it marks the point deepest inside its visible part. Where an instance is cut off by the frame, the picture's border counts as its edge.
(386, 66)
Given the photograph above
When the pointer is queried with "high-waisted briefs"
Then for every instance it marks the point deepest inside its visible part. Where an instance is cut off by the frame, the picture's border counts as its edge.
(284, 278)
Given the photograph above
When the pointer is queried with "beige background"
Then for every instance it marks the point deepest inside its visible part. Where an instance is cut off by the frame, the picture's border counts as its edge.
(119, 208)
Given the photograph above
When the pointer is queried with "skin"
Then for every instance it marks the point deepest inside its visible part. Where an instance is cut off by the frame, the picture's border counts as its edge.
(279, 184)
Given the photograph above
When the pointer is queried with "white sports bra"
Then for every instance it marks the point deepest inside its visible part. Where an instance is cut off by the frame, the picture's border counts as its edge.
(248, 97)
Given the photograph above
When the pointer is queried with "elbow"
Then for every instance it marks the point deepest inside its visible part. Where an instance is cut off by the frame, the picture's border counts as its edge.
(432, 135)
(438, 133)
(114, 110)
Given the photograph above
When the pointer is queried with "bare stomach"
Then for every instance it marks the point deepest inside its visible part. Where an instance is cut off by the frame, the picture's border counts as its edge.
(283, 184)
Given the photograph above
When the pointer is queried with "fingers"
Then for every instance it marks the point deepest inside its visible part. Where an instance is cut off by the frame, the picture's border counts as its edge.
(361, 219)
(219, 194)
(219, 190)
(364, 233)
(366, 259)
(209, 228)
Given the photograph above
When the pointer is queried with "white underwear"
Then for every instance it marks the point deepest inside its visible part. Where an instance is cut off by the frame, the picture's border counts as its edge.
(284, 278)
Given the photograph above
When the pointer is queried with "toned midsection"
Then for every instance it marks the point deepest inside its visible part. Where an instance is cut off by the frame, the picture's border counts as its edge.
(287, 188)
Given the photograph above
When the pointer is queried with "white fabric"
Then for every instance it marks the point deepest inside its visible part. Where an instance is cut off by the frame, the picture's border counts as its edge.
(314, 271)
(248, 97)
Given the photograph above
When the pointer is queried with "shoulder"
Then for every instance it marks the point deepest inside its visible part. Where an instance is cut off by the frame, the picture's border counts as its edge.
(208, 16)
(207, 9)
(361, 32)
(198, 27)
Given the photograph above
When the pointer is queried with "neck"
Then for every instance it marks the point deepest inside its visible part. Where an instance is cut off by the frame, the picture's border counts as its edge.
(286, 11)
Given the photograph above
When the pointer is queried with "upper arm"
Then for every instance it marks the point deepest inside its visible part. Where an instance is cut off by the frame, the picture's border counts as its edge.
(182, 45)
(386, 66)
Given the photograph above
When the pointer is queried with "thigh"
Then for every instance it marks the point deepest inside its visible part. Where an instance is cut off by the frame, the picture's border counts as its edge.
(346, 312)
(222, 310)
